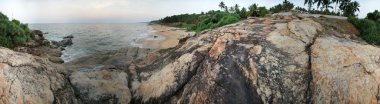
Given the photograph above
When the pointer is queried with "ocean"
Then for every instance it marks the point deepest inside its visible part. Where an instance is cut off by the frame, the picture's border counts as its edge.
(92, 38)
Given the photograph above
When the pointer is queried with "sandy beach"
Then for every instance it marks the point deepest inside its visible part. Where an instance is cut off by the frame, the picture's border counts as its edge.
(166, 37)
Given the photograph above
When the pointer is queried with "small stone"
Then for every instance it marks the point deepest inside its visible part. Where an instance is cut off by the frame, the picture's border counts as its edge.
(70, 36)
(56, 60)
(262, 59)
(256, 50)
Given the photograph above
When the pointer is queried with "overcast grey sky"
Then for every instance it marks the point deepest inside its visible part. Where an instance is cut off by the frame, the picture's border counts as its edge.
(119, 11)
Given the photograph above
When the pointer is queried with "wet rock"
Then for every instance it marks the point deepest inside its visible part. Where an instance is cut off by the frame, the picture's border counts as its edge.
(37, 39)
(45, 43)
(69, 36)
(124, 56)
(56, 59)
(37, 35)
(66, 42)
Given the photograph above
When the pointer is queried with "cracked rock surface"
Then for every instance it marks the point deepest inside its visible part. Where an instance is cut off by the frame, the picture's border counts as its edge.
(27, 79)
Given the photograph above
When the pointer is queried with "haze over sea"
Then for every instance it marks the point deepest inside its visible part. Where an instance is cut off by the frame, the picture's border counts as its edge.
(90, 38)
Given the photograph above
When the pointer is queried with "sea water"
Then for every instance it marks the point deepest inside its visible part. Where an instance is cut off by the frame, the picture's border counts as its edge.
(91, 38)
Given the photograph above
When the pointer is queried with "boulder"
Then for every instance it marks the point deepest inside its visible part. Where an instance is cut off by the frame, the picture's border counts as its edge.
(37, 36)
(66, 42)
(26, 79)
(183, 38)
(45, 43)
(63, 43)
(345, 71)
(56, 59)
(69, 36)
(102, 85)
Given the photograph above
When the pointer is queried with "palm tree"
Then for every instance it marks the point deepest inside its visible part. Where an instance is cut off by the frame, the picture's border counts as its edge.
(237, 8)
(343, 3)
(326, 5)
(349, 8)
(253, 7)
(222, 5)
(309, 3)
(336, 4)
(243, 13)
(319, 3)
(355, 7)
(232, 9)
(253, 10)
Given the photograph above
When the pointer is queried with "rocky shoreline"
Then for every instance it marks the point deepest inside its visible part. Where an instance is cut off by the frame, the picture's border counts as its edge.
(278, 59)
(39, 46)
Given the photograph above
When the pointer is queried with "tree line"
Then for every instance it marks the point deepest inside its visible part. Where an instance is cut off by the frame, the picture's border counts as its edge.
(217, 18)
(232, 14)
(333, 7)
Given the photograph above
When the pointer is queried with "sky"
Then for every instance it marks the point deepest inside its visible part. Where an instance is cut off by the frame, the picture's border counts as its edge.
(127, 11)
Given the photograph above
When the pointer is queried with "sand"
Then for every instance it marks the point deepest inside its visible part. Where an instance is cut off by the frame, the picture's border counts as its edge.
(167, 37)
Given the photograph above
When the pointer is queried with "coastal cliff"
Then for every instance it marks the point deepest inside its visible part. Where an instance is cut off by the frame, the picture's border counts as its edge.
(278, 59)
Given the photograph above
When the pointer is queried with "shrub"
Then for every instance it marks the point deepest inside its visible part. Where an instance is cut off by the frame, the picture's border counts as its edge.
(256, 11)
(12, 32)
(374, 16)
(5, 41)
(369, 29)
(263, 11)
(216, 20)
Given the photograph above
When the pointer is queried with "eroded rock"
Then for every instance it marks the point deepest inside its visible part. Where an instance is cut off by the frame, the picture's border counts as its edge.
(102, 85)
(26, 79)
(345, 71)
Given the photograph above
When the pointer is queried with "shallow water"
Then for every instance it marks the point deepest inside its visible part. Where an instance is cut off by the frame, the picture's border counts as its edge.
(92, 38)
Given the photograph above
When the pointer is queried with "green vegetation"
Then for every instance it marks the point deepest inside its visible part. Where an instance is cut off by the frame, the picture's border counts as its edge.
(166, 50)
(369, 27)
(285, 6)
(12, 32)
(375, 16)
(227, 15)
(255, 11)
(346, 7)
(214, 18)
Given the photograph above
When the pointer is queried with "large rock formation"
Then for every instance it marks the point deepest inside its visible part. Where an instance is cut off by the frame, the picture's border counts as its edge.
(26, 79)
(104, 84)
(280, 59)
(345, 72)
(267, 60)
(40, 46)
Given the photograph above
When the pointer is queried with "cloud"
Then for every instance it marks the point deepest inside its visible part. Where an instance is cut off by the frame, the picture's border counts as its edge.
(368, 6)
